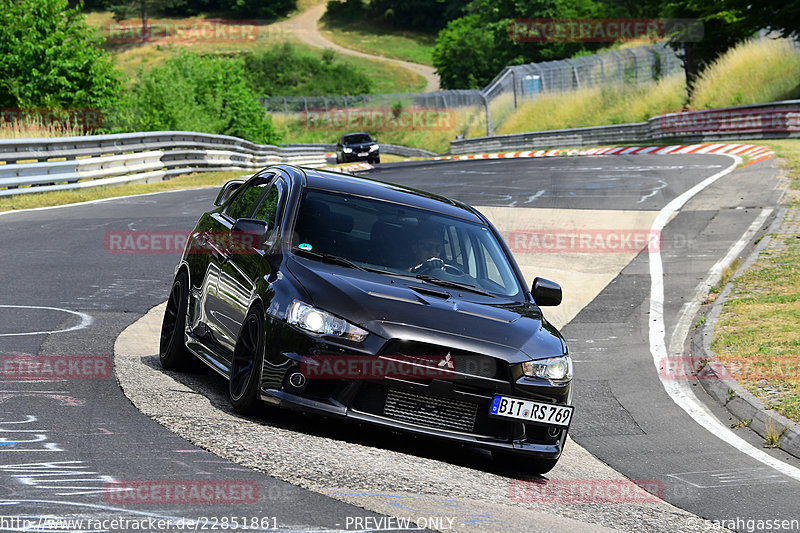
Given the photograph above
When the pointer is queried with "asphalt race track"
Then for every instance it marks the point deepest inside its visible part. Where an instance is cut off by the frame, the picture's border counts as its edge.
(65, 442)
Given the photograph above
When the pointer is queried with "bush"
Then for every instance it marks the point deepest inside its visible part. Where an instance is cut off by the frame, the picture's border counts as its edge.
(287, 71)
(191, 92)
(50, 58)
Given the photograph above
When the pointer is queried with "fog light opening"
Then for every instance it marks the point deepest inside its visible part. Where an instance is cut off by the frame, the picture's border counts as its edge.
(295, 382)
(554, 431)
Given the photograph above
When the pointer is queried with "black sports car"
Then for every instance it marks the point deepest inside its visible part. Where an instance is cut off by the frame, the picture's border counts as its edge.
(357, 147)
(377, 303)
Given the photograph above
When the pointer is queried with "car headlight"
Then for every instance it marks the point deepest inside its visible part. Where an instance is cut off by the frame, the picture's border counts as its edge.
(321, 322)
(347, 150)
(557, 369)
(373, 148)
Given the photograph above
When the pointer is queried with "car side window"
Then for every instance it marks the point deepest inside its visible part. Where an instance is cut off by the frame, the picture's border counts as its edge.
(271, 204)
(244, 203)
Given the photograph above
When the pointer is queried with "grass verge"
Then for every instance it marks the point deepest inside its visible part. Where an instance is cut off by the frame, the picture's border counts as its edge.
(757, 337)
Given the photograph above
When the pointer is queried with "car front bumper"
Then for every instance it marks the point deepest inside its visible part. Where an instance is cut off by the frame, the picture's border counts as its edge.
(456, 410)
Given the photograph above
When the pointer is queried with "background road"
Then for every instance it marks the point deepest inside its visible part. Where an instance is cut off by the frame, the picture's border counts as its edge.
(89, 434)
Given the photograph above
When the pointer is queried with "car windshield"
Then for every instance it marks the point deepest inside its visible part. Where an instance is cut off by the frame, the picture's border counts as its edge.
(387, 237)
(357, 138)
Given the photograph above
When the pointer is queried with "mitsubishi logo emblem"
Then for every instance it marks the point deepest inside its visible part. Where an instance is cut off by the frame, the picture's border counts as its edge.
(447, 362)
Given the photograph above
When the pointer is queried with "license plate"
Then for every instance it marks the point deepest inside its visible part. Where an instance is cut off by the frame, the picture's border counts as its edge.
(363, 154)
(541, 413)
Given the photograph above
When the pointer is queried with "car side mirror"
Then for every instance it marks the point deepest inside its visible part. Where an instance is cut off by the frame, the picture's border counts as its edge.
(227, 191)
(248, 232)
(546, 292)
(375, 139)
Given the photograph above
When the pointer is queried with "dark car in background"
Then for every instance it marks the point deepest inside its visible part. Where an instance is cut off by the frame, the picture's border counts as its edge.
(379, 304)
(357, 147)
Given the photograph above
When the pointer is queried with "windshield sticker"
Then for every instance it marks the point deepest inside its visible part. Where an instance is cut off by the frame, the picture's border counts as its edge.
(305, 246)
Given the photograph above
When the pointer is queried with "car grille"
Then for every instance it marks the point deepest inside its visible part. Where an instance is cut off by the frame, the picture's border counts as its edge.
(465, 363)
(430, 411)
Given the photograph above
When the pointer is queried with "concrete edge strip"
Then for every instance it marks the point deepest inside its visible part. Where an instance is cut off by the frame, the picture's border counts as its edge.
(679, 390)
(728, 392)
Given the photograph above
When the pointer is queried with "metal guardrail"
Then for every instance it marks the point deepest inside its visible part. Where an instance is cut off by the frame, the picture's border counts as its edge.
(50, 164)
(760, 121)
(39, 165)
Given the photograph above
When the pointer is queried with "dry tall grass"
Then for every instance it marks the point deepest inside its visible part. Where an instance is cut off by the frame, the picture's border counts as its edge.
(31, 128)
(595, 106)
(752, 72)
(436, 138)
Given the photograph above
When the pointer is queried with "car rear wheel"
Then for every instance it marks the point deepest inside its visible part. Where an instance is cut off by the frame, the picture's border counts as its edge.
(172, 352)
(521, 463)
(246, 364)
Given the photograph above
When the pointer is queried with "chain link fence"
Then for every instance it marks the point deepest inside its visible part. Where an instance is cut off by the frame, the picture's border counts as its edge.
(514, 84)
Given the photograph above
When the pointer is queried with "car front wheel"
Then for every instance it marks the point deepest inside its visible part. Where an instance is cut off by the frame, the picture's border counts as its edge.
(172, 352)
(246, 364)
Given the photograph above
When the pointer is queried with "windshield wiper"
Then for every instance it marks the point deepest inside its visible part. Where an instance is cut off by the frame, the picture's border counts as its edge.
(330, 258)
(453, 284)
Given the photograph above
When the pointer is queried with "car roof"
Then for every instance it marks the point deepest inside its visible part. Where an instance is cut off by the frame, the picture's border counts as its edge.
(360, 186)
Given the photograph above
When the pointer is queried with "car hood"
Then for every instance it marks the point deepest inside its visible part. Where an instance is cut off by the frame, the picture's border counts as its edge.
(359, 146)
(389, 306)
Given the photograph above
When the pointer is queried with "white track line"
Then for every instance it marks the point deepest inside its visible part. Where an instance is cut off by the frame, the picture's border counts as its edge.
(679, 390)
(86, 320)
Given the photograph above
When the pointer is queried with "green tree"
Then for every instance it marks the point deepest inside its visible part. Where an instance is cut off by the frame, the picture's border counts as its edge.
(473, 49)
(49, 57)
(724, 24)
(191, 92)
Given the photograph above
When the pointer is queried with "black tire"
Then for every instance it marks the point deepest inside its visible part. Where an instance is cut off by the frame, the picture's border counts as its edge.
(248, 356)
(376, 160)
(172, 351)
(523, 464)
(338, 159)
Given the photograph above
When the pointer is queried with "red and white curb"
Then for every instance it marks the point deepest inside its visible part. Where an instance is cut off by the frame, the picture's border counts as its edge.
(753, 152)
(355, 167)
